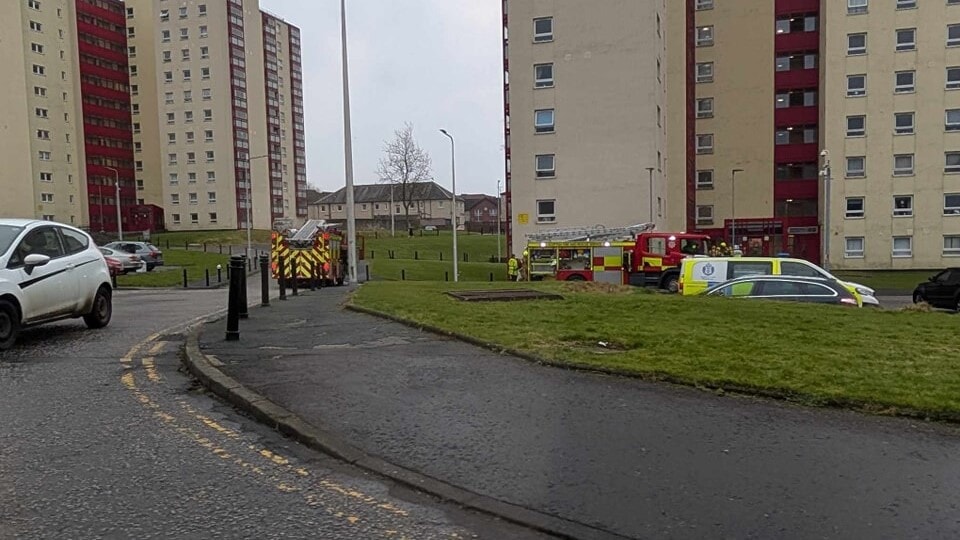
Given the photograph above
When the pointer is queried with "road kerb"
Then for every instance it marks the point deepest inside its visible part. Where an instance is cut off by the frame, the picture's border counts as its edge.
(291, 425)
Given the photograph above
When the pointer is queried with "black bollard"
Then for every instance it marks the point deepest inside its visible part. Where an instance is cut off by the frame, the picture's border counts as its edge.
(282, 276)
(403, 274)
(233, 304)
(491, 277)
(264, 280)
(416, 255)
(441, 255)
(295, 273)
(206, 273)
(244, 310)
(367, 270)
(219, 274)
(446, 276)
(220, 248)
(113, 281)
(184, 278)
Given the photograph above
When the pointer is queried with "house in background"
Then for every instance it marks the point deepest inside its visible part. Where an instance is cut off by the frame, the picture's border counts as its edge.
(430, 205)
(480, 212)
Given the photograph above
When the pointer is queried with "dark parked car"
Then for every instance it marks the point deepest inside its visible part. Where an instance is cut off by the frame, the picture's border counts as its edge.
(787, 288)
(941, 290)
(148, 253)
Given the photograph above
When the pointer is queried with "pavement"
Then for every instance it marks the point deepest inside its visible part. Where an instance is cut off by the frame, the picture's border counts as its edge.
(616, 456)
(105, 436)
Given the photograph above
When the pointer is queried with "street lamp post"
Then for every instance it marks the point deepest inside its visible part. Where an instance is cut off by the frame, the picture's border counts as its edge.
(499, 252)
(453, 210)
(650, 172)
(733, 209)
(825, 172)
(348, 150)
(249, 219)
(786, 224)
(116, 183)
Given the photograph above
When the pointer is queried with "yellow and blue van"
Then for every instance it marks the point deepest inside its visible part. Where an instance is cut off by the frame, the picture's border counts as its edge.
(697, 274)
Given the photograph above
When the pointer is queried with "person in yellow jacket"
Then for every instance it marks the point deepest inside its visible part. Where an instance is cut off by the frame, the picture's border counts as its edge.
(513, 268)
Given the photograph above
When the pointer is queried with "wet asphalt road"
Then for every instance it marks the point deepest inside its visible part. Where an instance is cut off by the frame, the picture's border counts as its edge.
(102, 436)
(638, 459)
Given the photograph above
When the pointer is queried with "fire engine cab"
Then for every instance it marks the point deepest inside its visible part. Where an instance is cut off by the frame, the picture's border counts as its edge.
(634, 255)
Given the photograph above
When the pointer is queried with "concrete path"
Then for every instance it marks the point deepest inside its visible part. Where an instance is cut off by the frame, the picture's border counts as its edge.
(637, 459)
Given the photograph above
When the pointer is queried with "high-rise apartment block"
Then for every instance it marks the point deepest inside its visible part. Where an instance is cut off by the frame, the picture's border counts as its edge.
(760, 103)
(187, 113)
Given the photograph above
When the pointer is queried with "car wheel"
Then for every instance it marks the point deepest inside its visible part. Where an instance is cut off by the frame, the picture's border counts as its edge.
(918, 298)
(150, 267)
(9, 325)
(102, 310)
(671, 283)
(576, 277)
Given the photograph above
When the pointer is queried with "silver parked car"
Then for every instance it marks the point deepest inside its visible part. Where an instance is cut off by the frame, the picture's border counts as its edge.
(131, 262)
(148, 252)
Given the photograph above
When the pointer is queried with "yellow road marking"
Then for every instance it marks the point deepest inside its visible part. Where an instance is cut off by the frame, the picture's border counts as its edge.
(150, 366)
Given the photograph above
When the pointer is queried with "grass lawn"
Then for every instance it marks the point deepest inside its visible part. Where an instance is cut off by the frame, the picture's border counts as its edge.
(896, 280)
(171, 274)
(818, 354)
(434, 270)
(478, 247)
(228, 237)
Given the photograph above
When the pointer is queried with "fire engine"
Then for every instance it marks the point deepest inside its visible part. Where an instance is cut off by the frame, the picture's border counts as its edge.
(634, 255)
(316, 246)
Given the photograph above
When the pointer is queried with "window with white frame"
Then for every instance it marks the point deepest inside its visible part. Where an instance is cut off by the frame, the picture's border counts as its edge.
(856, 85)
(705, 179)
(543, 29)
(176, 218)
(191, 178)
(210, 156)
(189, 135)
(855, 208)
(164, 15)
(856, 167)
(953, 78)
(953, 35)
(204, 52)
(191, 158)
(903, 165)
(185, 54)
(546, 165)
(186, 74)
(705, 214)
(543, 75)
(906, 4)
(905, 82)
(173, 178)
(213, 217)
(952, 120)
(855, 7)
(704, 4)
(194, 218)
(167, 56)
(207, 115)
(704, 72)
(903, 123)
(46, 177)
(202, 10)
(174, 198)
(211, 176)
(857, 43)
(188, 116)
(951, 204)
(856, 126)
(853, 247)
(705, 107)
(204, 73)
(168, 98)
(546, 211)
(138, 165)
(165, 36)
(168, 76)
(951, 246)
(171, 118)
(903, 206)
(207, 135)
(705, 36)
(544, 121)
(902, 246)
(705, 143)
(171, 138)
(44, 155)
(203, 30)
(46, 197)
(172, 159)
(184, 33)
(183, 12)
(952, 164)
(906, 39)
(192, 198)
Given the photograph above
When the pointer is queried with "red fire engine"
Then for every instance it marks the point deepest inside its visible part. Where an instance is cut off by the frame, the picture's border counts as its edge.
(634, 255)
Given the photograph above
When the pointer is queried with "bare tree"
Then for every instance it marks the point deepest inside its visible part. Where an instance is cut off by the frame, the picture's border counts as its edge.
(406, 165)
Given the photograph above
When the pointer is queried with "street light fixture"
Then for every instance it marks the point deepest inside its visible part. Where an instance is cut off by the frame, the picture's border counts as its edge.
(453, 209)
(348, 150)
(117, 185)
(733, 211)
(249, 219)
(825, 172)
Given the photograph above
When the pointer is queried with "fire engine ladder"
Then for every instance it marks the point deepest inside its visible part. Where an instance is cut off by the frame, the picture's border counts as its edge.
(304, 235)
(597, 232)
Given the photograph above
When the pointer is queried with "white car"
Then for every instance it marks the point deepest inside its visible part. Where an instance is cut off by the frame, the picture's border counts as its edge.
(48, 272)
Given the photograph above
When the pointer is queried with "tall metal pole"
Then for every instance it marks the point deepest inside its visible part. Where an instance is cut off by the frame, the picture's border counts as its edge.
(733, 208)
(499, 252)
(650, 171)
(348, 150)
(826, 210)
(250, 198)
(116, 183)
(393, 216)
(453, 195)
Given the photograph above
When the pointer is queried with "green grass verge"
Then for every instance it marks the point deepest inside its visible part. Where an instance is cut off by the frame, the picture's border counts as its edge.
(435, 270)
(171, 274)
(876, 359)
(227, 237)
(891, 280)
(479, 248)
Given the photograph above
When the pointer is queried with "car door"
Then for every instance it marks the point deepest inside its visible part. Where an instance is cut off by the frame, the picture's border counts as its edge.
(45, 289)
(82, 264)
(939, 290)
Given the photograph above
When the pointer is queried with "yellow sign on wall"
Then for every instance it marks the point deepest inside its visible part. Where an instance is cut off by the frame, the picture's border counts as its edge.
(523, 219)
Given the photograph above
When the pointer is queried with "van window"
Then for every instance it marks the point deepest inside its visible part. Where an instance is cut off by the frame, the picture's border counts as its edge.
(799, 269)
(737, 269)
(657, 246)
(781, 288)
(737, 289)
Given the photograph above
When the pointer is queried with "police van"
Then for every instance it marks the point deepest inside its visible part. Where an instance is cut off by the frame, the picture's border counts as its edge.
(700, 273)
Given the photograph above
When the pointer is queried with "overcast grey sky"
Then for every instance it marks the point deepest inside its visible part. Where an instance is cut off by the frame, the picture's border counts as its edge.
(434, 63)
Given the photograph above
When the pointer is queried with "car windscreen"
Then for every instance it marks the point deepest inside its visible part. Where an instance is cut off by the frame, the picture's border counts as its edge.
(8, 233)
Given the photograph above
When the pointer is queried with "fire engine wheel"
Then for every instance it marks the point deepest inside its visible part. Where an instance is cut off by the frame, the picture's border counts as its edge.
(576, 277)
(671, 283)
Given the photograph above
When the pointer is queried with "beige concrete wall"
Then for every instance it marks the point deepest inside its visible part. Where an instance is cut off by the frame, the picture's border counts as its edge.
(23, 190)
(148, 95)
(286, 123)
(675, 116)
(928, 226)
(605, 97)
(743, 101)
